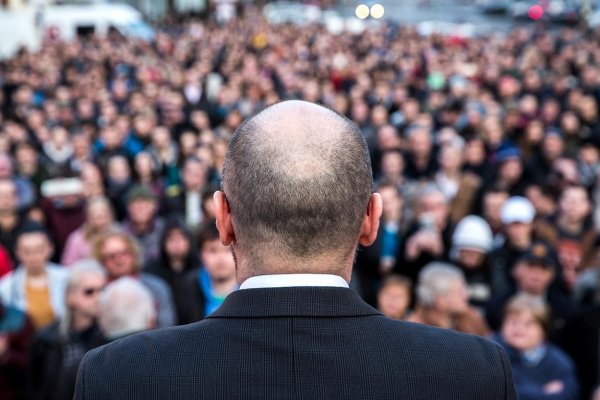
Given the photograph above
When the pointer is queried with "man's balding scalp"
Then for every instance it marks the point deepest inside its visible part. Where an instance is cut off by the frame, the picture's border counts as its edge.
(298, 179)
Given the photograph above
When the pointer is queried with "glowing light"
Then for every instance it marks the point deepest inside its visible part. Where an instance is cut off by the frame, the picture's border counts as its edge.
(362, 11)
(535, 12)
(377, 11)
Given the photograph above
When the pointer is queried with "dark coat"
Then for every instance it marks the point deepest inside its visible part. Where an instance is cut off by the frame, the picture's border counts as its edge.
(49, 378)
(366, 267)
(297, 343)
(412, 268)
(193, 299)
(176, 279)
(530, 380)
(581, 340)
(17, 327)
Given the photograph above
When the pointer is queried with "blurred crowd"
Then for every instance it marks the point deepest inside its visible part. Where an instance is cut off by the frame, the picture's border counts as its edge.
(485, 150)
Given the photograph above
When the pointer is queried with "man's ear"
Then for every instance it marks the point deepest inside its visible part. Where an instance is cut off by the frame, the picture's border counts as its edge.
(370, 225)
(223, 218)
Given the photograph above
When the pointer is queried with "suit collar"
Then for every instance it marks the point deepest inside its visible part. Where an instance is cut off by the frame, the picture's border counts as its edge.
(306, 301)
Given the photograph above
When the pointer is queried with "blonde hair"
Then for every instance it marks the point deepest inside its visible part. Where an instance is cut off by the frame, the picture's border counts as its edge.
(522, 303)
(132, 245)
(96, 200)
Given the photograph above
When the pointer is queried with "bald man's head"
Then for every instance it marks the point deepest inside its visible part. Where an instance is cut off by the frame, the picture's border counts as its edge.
(297, 177)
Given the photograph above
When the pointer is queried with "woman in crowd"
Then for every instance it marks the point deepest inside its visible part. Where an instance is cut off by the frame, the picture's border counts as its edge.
(120, 255)
(177, 258)
(99, 219)
(146, 173)
(58, 348)
(393, 298)
(540, 369)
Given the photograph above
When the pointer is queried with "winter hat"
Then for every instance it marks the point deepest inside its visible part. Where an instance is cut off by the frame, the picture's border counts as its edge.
(517, 209)
(472, 232)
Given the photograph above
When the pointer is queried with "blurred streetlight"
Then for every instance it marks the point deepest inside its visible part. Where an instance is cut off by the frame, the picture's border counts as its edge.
(362, 11)
(377, 11)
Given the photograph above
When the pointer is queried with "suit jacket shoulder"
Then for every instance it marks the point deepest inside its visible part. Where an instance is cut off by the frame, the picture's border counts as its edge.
(297, 343)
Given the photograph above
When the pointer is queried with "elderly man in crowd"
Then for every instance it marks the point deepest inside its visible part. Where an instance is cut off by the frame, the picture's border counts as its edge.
(443, 300)
(126, 307)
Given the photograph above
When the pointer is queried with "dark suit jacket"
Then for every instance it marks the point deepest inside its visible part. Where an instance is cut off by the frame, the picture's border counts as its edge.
(297, 343)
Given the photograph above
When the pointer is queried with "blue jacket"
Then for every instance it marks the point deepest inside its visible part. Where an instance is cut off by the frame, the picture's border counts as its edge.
(531, 377)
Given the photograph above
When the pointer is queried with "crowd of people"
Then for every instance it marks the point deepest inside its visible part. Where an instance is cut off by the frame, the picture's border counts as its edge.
(485, 151)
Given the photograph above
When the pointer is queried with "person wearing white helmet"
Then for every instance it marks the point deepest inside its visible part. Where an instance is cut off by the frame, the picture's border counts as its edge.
(517, 215)
(471, 241)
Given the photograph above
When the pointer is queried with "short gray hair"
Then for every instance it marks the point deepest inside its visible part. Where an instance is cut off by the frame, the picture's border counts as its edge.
(435, 280)
(298, 179)
(126, 306)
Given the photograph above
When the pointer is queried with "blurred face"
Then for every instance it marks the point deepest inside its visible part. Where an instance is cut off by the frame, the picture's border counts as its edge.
(111, 138)
(392, 164)
(392, 203)
(522, 331)
(83, 296)
(470, 258)
(570, 256)
(450, 159)
(194, 175)
(141, 211)
(387, 137)
(27, 158)
(574, 204)
(6, 169)
(177, 245)
(217, 260)
(143, 164)
(420, 143)
(511, 170)
(518, 233)
(492, 204)
(474, 152)
(435, 204)
(33, 250)
(533, 279)
(161, 137)
(553, 147)
(188, 142)
(118, 169)
(60, 137)
(117, 257)
(81, 146)
(99, 216)
(393, 301)
(456, 300)
(8, 196)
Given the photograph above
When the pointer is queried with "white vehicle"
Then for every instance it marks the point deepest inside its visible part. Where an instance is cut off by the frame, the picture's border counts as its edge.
(67, 21)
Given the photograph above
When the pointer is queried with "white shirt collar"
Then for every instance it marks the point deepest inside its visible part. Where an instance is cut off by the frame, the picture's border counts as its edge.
(290, 280)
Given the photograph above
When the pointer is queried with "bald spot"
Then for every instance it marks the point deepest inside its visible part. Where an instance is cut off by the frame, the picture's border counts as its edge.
(299, 136)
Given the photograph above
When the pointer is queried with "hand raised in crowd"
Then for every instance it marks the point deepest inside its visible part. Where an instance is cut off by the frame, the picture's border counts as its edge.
(424, 241)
